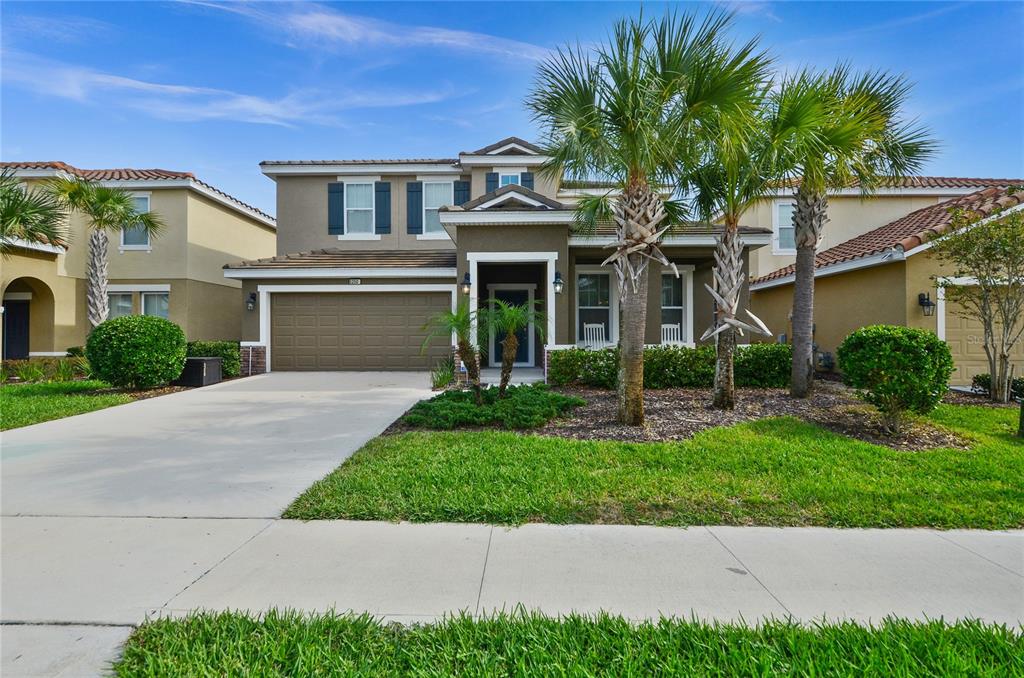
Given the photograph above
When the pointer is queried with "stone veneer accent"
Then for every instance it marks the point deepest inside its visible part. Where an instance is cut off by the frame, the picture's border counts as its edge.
(254, 360)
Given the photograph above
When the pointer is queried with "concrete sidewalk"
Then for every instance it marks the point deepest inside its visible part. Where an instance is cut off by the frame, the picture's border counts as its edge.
(96, 575)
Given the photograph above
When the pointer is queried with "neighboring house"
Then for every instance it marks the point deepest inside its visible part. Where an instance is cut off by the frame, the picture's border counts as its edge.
(175, 274)
(368, 250)
(887, 276)
(851, 214)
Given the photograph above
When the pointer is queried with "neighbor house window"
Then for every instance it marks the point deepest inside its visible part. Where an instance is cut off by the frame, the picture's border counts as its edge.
(593, 303)
(359, 208)
(435, 196)
(673, 328)
(156, 303)
(135, 237)
(784, 235)
(508, 179)
(119, 304)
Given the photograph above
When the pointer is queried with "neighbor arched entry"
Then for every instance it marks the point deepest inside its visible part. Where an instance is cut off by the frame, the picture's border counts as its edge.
(28, 318)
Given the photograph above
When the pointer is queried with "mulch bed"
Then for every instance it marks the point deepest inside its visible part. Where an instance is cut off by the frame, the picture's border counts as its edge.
(964, 398)
(677, 414)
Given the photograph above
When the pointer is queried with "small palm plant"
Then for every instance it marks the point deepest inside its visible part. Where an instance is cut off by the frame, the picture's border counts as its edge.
(508, 319)
(107, 209)
(459, 323)
(29, 214)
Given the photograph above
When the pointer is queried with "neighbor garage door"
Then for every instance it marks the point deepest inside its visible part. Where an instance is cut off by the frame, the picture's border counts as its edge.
(354, 331)
(965, 337)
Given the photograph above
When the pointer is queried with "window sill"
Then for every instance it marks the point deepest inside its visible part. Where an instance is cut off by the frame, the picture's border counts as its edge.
(783, 253)
(359, 236)
(433, 236)
(134, 248)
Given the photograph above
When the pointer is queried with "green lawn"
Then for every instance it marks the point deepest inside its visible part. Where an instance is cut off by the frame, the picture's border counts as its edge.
(24, 404)
(286, 644)
(771, 472)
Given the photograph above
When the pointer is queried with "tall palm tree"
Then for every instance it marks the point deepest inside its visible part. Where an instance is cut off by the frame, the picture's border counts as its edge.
(459, 323)
(107, 209)
(505, 319)
(861, 137)
(631, 113)
(29, 214)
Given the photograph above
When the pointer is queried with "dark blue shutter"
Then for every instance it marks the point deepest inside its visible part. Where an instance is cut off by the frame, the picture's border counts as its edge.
(461, 192)
(414, 203)
(526, 180)
(382, 207)
(492, 182)
(335, 209)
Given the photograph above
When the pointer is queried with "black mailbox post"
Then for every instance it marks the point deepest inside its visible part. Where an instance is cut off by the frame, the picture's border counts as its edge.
(200, 372)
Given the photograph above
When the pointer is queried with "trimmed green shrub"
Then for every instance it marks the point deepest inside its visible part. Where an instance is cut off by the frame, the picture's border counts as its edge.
(527, 406)
(76, 351)
(757, 365)
(136, 351)
(982, 383)
(228, 351)
(896, 369)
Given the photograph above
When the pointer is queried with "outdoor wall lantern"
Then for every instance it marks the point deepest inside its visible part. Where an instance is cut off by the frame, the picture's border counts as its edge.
(559, 284)
(924, 300)
(467, 284)
(250, 303)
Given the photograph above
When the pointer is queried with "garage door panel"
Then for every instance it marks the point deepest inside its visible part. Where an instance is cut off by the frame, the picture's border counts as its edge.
(354, 331)
(965, 337)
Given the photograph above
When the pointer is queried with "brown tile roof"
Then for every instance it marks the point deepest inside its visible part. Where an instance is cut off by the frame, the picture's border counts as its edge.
(505, 142)
(515, 188)
(388, 161)
(911, 230)
(338, 258)
(932, 182)
(130, 174)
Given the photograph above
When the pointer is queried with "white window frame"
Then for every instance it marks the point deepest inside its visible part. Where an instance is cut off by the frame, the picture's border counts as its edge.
(518, 178)
(686, 277)
(531, 331)
(361, 181)
(613, 302)
(142, 302)
(131, 299)
(148, 247)
(776, 225)
(441, 234)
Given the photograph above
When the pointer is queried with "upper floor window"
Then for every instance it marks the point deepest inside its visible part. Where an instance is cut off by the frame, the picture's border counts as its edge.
(436, 194)
(134, 237)
(359, 208)
(508, 179)
(783, 233)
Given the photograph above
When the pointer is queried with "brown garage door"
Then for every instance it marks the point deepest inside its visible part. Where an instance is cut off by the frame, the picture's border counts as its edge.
(354, 331)
(966, 339)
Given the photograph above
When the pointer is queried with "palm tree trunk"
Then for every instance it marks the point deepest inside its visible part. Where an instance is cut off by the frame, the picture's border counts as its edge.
(730, 265)
(469, 358)
(809, 218)
(632, 329)
(97, 304)
(509, 347)
(725, 383)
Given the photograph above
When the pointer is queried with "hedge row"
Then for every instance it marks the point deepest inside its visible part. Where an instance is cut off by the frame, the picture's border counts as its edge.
(227, 351)
(756, 365)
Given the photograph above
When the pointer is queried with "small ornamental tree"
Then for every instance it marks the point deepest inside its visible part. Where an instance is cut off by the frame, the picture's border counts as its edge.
(460, 324)
(505, 321)
(986, 255)
(136, 351)
(896, 369)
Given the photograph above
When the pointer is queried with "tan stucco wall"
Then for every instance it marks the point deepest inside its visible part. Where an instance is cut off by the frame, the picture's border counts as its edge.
(56, 318)
(216, 236)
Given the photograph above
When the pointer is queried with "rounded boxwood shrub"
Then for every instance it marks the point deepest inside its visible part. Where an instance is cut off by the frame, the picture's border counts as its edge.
(763, 365)
(896, 369)
(136, 351)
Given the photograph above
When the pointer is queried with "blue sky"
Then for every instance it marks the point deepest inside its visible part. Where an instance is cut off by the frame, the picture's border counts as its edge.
(215, 88)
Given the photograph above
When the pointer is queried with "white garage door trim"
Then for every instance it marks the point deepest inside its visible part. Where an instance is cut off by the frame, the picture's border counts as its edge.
(940, 301)
(266, 290)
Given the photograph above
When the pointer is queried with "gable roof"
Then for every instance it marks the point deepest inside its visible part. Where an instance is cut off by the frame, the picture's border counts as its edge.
(131, 174)
(495, 148)
(910, 231)
(510, 193)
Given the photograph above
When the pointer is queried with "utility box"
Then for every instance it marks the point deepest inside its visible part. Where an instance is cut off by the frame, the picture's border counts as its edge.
(200, 372)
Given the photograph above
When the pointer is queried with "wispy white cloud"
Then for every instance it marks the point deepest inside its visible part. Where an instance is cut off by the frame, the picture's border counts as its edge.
(188, 103)
(751, 8)
(883, 26)
(312, 26)
(65, 29)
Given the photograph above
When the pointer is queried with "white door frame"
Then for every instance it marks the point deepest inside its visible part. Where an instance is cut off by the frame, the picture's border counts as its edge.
(531, 289)
(475, 258)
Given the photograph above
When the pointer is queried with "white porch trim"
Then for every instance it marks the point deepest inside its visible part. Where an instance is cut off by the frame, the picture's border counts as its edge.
(132, 287)
(511, 217)
(476, 258)
(940, 300)
(678, 240)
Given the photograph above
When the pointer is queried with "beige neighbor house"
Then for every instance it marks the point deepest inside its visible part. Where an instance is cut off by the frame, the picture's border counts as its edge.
(176, 274)
(368, 250)
(887, 276)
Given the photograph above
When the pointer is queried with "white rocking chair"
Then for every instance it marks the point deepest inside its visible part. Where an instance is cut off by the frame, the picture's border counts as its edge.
(594, 336)
(672, 334)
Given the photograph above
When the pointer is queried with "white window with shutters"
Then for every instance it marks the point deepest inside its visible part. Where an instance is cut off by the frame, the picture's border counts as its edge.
(436, 194)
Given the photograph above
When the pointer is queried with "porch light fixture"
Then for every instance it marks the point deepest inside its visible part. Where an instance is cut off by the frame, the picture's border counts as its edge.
(558, 284)
(467, 285)
(924, 300)
(250, 303)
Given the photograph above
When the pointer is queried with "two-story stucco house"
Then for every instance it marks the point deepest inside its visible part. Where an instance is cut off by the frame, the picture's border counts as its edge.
(176, 274)
(368, 250)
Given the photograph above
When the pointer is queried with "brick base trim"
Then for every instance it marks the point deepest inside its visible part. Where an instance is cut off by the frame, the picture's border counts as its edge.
(254, 360)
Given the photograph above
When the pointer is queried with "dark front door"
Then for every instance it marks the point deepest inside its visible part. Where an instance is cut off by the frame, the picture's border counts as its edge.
(15, 330)
(516, 298)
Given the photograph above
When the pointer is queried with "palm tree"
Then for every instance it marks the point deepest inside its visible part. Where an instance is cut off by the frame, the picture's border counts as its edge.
(107, 209)
(29, 214)
(861, 137)
(507, 319)
(459, 323)
(631, 114)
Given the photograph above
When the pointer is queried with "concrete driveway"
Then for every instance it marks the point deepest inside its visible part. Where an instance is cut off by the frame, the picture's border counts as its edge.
(244, 448)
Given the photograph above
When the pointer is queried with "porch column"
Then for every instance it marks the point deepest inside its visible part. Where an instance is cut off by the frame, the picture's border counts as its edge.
(550, 304)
